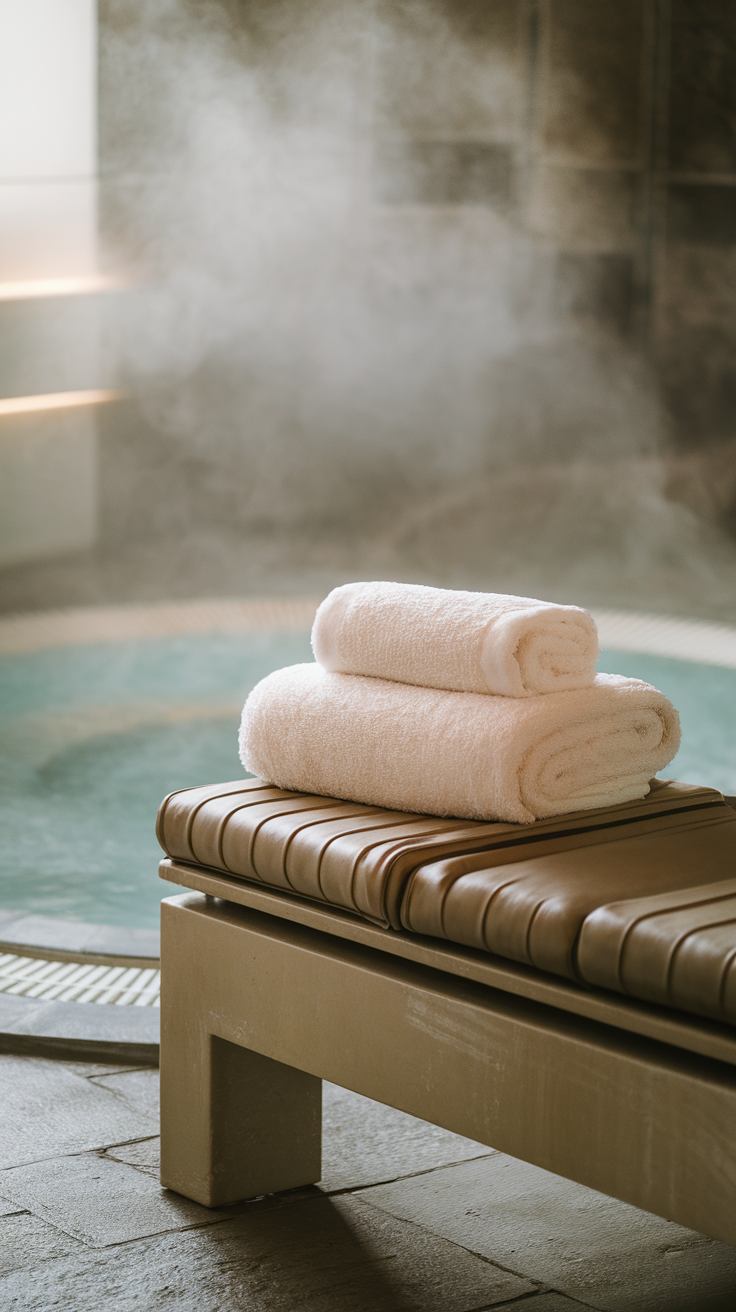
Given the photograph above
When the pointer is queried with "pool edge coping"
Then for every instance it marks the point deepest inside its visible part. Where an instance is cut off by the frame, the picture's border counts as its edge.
(79, 1031)
(25, 632)
(643, 632)
(65, 939)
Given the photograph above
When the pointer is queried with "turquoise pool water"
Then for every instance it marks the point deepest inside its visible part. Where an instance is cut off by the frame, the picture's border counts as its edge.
(93, 737)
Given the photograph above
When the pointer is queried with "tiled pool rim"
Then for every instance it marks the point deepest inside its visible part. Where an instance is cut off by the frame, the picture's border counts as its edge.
(656, 635)
(78, 1029)
(43, 630)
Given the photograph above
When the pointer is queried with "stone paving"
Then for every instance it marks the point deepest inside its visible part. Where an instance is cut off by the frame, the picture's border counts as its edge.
(407, 1217)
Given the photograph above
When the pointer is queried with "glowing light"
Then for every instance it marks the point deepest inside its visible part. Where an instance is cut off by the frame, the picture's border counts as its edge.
(22, 291)
(26, 405)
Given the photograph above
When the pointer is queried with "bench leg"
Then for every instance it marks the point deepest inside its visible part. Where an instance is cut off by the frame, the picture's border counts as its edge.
(235, 1124)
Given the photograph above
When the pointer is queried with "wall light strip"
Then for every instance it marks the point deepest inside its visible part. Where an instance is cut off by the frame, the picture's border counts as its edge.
(27, 405)
(36, 287)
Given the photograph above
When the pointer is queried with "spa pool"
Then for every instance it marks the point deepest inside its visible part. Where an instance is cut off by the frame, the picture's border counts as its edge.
(93, 735)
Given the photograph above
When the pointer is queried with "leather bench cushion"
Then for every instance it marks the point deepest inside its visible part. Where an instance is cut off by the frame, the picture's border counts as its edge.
(534, 910)
(678, 948)
(360, 858)
(348, 855)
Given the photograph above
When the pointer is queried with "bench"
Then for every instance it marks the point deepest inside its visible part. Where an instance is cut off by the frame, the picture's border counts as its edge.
(268, 988)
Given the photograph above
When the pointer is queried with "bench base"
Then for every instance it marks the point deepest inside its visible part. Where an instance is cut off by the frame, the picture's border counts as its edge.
(256, 1010)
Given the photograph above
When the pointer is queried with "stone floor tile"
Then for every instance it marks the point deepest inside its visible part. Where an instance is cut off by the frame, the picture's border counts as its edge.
(145, 1155)
(93, 1070)
(102, 1201)
(49, 1111)
(364, 1142)
(137, 1088)
(26, 1240)
(312, 1255)
(544, 1303)
(584, 1244)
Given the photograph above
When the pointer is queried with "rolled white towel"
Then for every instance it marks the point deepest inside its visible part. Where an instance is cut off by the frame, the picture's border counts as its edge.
(461, 641)
(457, 754)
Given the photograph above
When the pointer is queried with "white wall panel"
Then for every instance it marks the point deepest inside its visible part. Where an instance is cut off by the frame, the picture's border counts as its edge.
(47, 89)
(48, 139)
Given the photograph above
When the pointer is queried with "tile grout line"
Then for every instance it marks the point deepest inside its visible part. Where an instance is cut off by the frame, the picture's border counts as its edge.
(508, 1270)
(527, 1298)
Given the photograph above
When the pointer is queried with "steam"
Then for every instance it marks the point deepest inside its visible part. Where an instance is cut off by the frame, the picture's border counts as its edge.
(383, 380)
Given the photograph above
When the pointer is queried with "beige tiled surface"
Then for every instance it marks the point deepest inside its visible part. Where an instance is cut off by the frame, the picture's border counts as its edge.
(408, 1218)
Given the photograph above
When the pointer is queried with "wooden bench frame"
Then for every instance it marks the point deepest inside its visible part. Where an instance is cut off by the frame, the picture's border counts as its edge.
(264, 995)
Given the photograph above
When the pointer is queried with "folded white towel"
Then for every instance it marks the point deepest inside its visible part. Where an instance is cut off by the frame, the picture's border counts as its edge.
(462, 641)
(459, 754)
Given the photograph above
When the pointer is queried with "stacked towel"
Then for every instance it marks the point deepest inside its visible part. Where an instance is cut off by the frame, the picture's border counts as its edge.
(471, 754)
(461, 754)
(461, 641)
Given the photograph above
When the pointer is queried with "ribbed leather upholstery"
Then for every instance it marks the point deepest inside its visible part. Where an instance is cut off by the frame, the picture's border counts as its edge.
(678, 948)
(362, 858)
(640, 898)
(534, 910)
(351, 856)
